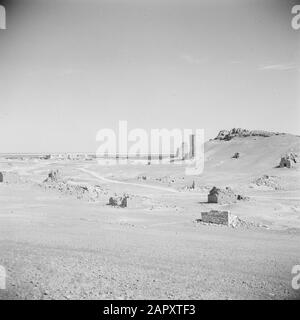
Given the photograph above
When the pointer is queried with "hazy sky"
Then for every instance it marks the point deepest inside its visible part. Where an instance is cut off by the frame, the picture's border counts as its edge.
(71, 67)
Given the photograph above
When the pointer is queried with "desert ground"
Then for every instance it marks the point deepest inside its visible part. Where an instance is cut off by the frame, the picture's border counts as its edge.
(59, 241)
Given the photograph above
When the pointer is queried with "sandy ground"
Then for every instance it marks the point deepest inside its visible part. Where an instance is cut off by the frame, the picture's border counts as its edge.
(55, 246)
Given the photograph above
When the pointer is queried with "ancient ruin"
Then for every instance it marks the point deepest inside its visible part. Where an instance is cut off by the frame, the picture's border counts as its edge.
(219, 217)
(80, 191)
(224, 196)
(221, 196)
(118, 201)
(288, 160)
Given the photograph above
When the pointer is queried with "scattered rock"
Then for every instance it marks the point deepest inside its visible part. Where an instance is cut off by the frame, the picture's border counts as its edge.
(271, 182)
(90, 193)
(240, 197)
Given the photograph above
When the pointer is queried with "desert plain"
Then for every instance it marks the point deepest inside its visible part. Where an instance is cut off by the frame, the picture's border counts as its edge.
(61, 239)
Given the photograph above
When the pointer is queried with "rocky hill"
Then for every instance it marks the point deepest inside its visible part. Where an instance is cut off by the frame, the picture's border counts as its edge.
(239, 132)
(259, 152)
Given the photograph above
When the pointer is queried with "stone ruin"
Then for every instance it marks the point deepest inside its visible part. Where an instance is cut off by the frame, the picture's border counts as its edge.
(118, 201)
(55, 181)
(236, 155)
(288, 160)
(219, 217)
(223, 196)
(239, 132)
(271, 182)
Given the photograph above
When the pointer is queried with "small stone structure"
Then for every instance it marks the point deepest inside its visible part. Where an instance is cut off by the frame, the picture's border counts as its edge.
(289, 160)
(236, 155)
(1, 177)
(219, 217)
(222, 196)
(118, 201)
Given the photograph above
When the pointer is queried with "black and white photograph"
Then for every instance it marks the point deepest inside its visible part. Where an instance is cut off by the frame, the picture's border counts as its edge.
(150, 150)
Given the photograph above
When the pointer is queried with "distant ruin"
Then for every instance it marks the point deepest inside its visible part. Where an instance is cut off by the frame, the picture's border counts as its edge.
(187, 150)
(118, 201)
(223, 196)
(217, 195)
(288, 160)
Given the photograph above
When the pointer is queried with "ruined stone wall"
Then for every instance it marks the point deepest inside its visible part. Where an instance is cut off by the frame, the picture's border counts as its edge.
(219, 217)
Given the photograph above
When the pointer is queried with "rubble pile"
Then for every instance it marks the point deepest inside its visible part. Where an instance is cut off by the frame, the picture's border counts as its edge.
(90, 193)
(271, 182)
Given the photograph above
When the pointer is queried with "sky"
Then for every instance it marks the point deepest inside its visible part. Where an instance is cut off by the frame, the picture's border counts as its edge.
(69, 68)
